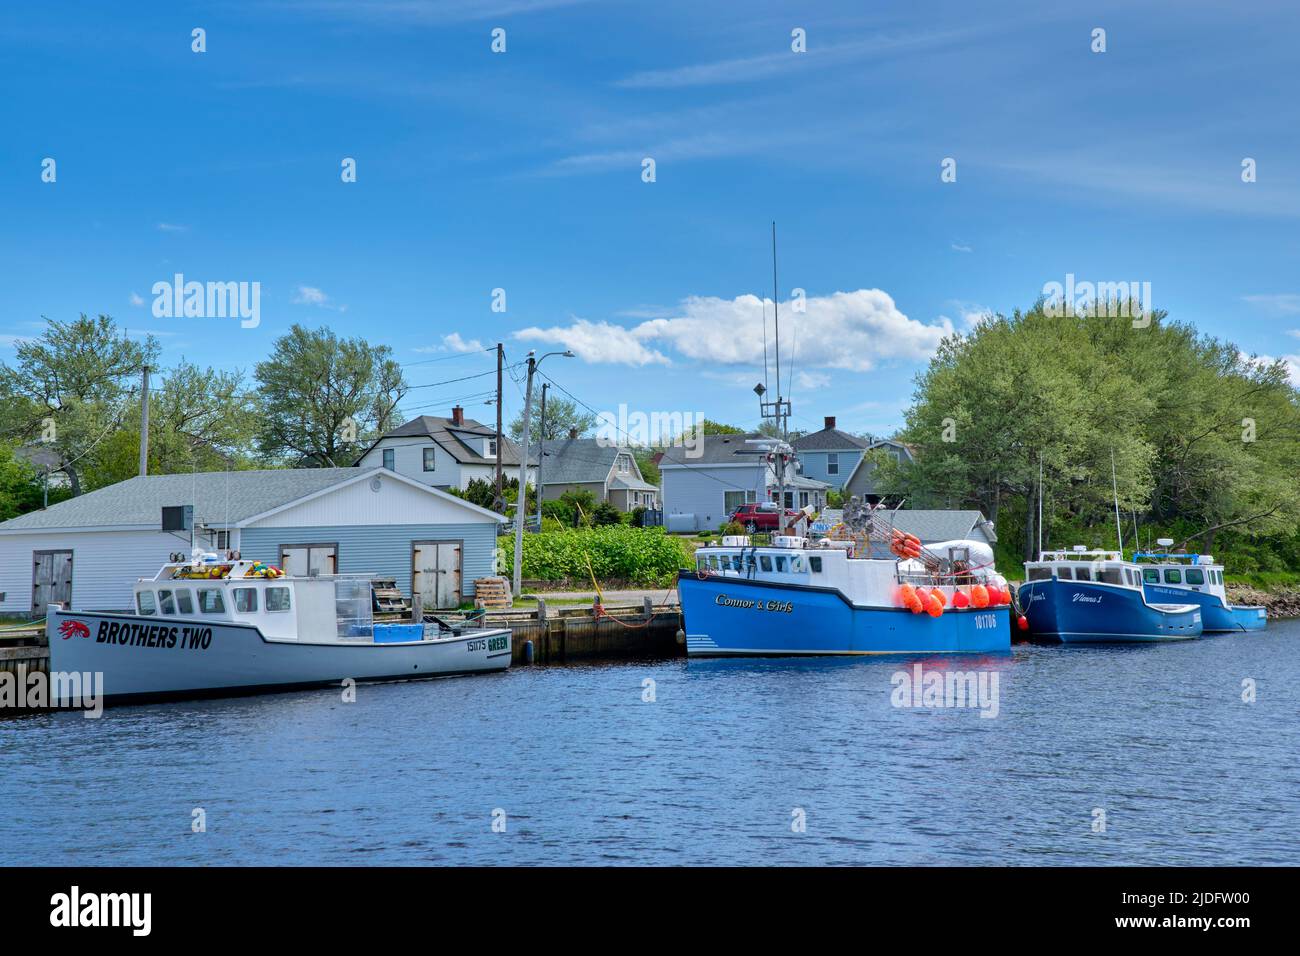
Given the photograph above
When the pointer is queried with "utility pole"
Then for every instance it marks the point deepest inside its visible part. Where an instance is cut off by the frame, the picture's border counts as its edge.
(541, 453)
(521, 503)
(144, 422)
(500, 446)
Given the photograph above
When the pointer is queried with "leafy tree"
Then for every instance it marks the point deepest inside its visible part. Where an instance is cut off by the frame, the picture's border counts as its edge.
(718, 428)
(72, 388)
(320, 398)
(561, 416)
(22, 485)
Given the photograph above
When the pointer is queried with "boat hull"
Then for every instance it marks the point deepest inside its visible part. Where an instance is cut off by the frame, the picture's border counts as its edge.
(737, 617)
(1216, 617)
(1083, 612)
(145, 658)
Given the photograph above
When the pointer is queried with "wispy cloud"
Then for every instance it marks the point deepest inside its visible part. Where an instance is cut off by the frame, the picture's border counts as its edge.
(1280, 303)
(310, 295)
(422, 11)
(766, 65)
(136, 299)
(172, 227)
(961, 247)
(454, 343)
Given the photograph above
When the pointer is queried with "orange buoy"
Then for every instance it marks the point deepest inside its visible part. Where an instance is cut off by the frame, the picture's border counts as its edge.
(943, 598)
(979, 596)
(959, 599)
(932, 605)
(1022, 622)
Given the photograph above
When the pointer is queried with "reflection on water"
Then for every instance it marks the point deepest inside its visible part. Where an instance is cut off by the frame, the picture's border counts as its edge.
(713, 769)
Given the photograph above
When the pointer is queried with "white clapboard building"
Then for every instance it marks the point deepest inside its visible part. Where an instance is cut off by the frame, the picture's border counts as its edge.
(87, 551)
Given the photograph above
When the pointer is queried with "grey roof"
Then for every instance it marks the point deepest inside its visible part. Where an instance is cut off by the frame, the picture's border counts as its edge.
(829, 439)
(631, 484)
(218, 498)
(570, 461)
(799, 481)
(940, 525)
(455, 439)
(716, 450)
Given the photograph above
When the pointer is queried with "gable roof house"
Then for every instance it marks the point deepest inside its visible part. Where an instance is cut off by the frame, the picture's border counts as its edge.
(932, 526)
(445, 452)
(608, 471)
(861, 481)
(830, 455)
(87, 552)
(704, 485)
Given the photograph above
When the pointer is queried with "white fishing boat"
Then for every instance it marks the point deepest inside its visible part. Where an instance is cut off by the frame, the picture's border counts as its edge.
(220, 627)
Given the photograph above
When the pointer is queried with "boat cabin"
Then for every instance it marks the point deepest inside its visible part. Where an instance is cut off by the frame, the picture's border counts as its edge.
(1187, 572)
(327, 607)
(1080, 564)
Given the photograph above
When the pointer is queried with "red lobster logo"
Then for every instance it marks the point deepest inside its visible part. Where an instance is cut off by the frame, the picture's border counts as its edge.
(73, 629)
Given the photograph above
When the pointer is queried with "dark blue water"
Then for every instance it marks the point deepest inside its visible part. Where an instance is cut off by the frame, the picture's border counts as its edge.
(710, 772)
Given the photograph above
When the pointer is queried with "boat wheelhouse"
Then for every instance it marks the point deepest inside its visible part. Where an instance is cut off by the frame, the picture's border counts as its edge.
(800, 597)
(1090, 597)
(1197, 579)
(218, 627)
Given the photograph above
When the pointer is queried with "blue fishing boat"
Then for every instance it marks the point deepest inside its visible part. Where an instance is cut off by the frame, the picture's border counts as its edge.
(830, 597)
(1197, 579)
(1096, 597)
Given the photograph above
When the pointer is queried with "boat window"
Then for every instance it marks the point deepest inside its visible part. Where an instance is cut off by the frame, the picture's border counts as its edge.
(165, 603)
(1064, 573)
(1038, 574)
(184, 602)
(796, 564)
(765, 562)
(144, 603)
(1083, 574)
(246, 600)
(780, 563)
(1151, 575)
(1110, 576)
(1195, 576)
(713, 561)
(815, 564)
(211, 602)
(751, 563)
(277, 599)
(1173, 575)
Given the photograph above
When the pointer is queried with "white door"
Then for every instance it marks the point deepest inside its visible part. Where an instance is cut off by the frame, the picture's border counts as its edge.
(303, 560)
(436, 573)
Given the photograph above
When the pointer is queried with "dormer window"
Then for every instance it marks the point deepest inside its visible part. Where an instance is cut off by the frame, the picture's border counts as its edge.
(430, 459)
(491, 448)
(622, 464)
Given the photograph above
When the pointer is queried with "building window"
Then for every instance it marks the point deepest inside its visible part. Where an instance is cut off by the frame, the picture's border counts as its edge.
(222, 541)
(622, 464)
(731, 500)
(430, 459)
(492, 447)
(833, 464)
(388, 460)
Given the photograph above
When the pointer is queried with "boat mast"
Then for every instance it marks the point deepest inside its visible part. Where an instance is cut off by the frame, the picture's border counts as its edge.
(1040, 505)
(1119, 529)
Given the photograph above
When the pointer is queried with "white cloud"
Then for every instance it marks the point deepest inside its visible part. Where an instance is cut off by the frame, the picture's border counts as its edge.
(812, 380)
(1282, 303)
(845, 330)
(961, 247)
(455, 343)
(310, 295)
(171, 227)
(597, 342)
(136, 299)
(1292, 364)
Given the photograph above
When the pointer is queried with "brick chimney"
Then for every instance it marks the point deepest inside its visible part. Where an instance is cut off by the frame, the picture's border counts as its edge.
(458, 416)
(573, 433)
(830, 422)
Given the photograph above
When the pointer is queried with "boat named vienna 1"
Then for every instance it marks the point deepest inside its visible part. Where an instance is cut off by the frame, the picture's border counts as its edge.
(1096, 597)
(213, 627)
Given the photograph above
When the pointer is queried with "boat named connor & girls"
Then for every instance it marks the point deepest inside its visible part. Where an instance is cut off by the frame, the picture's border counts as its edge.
(1197, 579)
(1096, 597)
(211, 627)
(831, 597)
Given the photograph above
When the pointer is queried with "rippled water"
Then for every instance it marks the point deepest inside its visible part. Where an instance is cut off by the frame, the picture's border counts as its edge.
(710, 772)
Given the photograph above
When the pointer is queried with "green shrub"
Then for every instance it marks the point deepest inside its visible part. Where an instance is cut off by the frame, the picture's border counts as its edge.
(643, 556)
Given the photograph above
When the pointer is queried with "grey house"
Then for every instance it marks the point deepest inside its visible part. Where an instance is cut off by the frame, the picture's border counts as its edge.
(446, 452)
(861, 481)
(609, 472)
(700, 491)
(829, 455)
(86, 552)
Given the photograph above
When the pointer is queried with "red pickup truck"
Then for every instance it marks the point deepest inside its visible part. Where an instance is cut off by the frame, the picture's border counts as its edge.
(755, 517)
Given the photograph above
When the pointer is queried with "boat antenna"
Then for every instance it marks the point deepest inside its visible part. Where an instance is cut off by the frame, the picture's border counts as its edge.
(1119, 529)
(776, 326)
(1040, 505)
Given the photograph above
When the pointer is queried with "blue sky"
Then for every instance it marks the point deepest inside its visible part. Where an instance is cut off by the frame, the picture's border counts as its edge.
(523, 171)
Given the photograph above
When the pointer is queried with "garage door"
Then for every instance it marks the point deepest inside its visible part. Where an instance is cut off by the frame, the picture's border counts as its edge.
(435, 573)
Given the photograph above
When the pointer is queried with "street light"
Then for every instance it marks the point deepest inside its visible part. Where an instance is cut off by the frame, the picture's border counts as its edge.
(521, 503)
